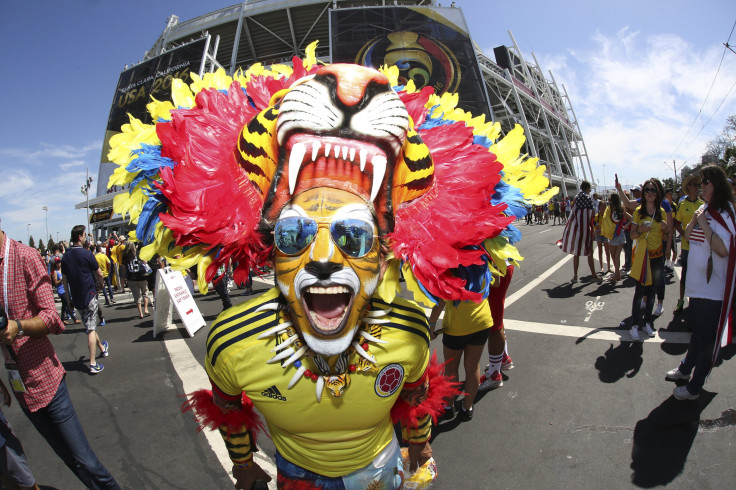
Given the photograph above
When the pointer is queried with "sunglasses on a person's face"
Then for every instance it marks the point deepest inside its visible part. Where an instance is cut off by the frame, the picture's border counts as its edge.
(353, 237)
(651, 190)
(705, 181)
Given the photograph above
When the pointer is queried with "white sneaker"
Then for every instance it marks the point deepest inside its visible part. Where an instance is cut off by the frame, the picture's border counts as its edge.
(681, 393)
(635, 334)
(649, 330)
(676, 374)
(490, 381)
(658, 309)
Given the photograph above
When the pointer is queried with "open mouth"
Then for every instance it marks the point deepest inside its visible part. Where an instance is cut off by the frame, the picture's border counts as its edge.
(354, 160)
(327, 307)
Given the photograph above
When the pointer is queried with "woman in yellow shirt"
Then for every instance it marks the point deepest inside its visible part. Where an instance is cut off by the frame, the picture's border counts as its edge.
(648, 227)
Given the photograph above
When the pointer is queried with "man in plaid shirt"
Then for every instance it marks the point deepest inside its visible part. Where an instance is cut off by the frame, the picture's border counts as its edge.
(36, 374)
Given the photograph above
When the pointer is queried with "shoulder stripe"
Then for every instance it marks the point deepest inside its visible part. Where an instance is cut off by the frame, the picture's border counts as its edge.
(219, 330)
(233, 340)
(216, 328)
(406, 328)
(397, 306)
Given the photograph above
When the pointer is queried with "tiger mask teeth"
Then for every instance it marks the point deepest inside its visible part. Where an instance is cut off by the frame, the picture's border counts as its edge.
(342, 156)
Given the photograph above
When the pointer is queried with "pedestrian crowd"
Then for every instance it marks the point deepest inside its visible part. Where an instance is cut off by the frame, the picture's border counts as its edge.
(645, 225)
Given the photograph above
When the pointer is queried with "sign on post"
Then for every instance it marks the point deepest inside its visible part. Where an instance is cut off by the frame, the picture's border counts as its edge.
(172, 291)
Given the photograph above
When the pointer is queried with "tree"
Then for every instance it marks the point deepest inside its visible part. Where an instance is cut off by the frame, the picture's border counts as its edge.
(723, 147)
(41, 248)
(31, 243)
(50, 244)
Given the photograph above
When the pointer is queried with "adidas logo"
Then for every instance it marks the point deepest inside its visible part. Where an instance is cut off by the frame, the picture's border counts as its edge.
(274, 393)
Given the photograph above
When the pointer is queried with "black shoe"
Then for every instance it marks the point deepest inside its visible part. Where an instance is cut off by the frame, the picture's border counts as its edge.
(449, 413)
(466, 415)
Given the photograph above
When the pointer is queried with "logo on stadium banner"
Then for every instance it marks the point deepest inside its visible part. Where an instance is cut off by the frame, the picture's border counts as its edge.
(389, 380)
(422, 59)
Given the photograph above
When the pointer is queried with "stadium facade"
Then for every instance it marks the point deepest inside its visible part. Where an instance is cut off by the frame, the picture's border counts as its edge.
(430, 43)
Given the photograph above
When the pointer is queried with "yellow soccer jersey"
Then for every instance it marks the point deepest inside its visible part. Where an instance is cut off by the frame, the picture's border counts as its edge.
(334, 436)
(685, 211)
(653, 236)
(467, 317)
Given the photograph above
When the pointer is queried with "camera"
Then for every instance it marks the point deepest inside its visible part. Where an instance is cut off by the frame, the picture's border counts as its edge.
(3, 318)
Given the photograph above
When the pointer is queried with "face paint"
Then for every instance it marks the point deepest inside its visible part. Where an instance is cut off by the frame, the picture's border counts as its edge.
(326, 286)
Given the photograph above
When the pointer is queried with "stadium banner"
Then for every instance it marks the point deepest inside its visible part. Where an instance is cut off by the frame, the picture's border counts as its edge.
(430, 45)
(138, 84)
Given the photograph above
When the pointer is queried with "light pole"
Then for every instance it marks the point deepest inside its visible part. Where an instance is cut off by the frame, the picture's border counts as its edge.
(85, 192)
(46, 208)
(604, 179)
(29, 234)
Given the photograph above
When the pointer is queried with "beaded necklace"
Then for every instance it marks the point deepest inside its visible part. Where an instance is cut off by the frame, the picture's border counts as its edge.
(292, 350)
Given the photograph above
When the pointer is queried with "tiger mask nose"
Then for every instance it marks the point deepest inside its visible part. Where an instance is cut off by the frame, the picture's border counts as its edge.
(352, 81)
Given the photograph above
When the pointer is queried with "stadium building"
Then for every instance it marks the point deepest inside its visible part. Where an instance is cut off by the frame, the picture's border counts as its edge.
(430, 43)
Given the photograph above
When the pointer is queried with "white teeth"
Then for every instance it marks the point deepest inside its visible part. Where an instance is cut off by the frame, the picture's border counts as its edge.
(344, 152)
(328, 147)
(352, 154)
(295, 162)
(379, 170)
(315, 150)
(328, 290)
(337, 151)
(363, 155)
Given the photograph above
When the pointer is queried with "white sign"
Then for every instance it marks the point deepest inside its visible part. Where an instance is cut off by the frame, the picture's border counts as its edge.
(172, 291)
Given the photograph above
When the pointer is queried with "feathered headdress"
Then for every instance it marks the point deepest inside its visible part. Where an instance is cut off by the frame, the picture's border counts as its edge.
(200, 176)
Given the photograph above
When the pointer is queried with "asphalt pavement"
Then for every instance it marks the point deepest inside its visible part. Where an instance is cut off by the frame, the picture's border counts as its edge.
(584, 407)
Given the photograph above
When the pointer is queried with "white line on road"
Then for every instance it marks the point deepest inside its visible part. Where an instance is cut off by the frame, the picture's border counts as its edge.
(193, 377)
(545, 231)
(591, 333)
(521, 292)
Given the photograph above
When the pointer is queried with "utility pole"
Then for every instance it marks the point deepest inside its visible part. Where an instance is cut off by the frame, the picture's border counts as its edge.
(674, 167)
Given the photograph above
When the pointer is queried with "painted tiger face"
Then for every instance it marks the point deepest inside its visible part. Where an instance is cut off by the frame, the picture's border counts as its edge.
(327, 265)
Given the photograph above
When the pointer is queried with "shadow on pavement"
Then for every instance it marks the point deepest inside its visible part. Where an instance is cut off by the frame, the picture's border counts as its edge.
(662, 441)
(617, 362)
(567, 290)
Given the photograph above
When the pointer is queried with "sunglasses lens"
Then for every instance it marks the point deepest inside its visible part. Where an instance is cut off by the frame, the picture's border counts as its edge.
(293, 234)
(706, 181)
(353, 236)
(650, 190)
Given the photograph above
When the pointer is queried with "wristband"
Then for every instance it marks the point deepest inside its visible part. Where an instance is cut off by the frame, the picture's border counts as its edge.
(244, 465)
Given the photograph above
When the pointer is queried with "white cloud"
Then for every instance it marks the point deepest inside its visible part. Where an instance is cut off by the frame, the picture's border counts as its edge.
(635, 97)
(49, 176)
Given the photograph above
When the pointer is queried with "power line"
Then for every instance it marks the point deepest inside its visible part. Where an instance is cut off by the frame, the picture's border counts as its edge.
(723, 55)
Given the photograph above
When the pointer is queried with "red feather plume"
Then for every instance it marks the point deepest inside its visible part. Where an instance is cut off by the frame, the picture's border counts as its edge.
(431, 231)
(440, 388)
(211, 416)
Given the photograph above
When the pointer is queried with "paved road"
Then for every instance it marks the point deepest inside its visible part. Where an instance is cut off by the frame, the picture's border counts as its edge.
(584, 407)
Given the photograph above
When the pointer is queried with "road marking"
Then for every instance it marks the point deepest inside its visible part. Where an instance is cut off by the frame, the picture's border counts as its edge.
(521, 292)
(592, 306)
(545, 231)
(193, 377)
(585, 333)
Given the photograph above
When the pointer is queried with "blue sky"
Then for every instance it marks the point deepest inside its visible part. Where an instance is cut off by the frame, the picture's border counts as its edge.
(637, 74)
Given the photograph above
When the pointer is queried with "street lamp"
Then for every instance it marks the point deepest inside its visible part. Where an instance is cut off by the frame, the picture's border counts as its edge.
(604, 179)
(29, 234)
(85, 192)
(46, 208)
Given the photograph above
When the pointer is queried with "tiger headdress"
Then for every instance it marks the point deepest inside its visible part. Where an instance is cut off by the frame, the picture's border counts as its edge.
(209, 178)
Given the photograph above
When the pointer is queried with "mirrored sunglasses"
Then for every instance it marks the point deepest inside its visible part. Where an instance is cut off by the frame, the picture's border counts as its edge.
(353, 237)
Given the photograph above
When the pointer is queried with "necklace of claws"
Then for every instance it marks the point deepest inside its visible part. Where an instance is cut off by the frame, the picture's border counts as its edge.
(290, 349)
